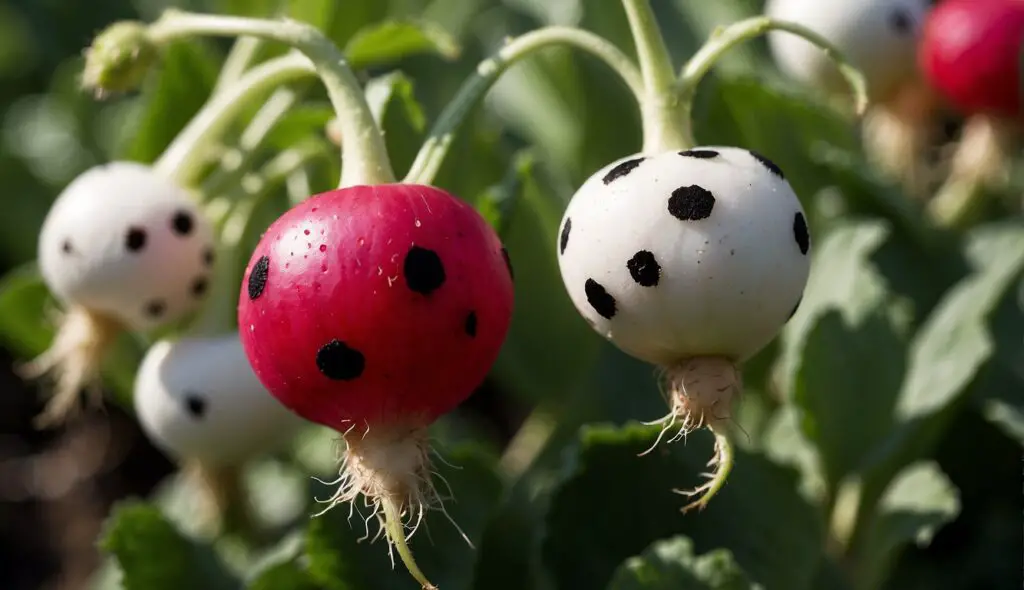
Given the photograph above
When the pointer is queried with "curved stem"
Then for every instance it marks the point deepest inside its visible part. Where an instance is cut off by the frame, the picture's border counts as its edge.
(395, 533)
(238, 60)
(237, 160)
(183, 159)
(364, 156)
(662, 119)
(724, 39)
(435, 148)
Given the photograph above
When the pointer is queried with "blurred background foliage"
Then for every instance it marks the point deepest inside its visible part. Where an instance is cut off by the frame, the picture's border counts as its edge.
(880, 435)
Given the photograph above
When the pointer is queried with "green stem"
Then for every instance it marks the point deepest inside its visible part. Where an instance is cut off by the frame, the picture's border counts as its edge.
(662, 118)
(217, 316)
(724, 39)
(435, 148)
(396, 534)
(238, 159)
(364, 156)
(238, 60)
(184, 158)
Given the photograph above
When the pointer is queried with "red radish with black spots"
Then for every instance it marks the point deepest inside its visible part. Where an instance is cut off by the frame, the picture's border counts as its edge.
(373, 310)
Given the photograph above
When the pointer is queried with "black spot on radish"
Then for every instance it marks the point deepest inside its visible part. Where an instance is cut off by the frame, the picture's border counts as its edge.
(900, 21)
(155, 308)
(564, 239)
(258, 277)
(199, 286)
(702, 154)
(135, 239)
(470, 324)
(803, 239)
(208, 256)
(621, 170)
(691, 203)
(768, 164)
(508, 263)
(423, 270)
(795, 307)
(338, 361)
(195, 404)
(66, 247)
(182, 223)
(644, 269)
(602, 301)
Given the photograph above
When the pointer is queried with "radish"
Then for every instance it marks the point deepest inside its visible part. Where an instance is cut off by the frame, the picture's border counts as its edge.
(971, 54)
(121, 248)
(198, 399)
(373, 310)
(879, 37)
(690, 260)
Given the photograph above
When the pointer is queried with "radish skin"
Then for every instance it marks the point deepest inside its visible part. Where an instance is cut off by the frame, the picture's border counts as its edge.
(122, 248)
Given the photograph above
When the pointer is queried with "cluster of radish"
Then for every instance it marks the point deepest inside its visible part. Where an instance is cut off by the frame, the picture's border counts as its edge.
(378, 307)
(920, 57)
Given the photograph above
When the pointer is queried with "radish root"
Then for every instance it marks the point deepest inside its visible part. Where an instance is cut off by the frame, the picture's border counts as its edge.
(72, 363)
(391, 470)
(701, 392)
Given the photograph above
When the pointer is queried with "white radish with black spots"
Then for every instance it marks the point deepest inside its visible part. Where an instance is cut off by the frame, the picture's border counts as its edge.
(686, 254)
(690, 260)
(199, 400)
(124, 242)
(121, 248)
(878, 37)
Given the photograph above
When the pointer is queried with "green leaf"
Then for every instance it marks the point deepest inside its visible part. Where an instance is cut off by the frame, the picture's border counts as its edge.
(612, 503)
(392, 41)
(498, 202)
(920, 500)
(153, 555)
(288, 575)
(183, 81)
(338, 561)
(392, 101)
(841, 278)
(672, 565)
(846, 387)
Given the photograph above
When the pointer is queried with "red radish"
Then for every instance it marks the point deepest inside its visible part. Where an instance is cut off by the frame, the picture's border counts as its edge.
(374, 310)
(971, 51)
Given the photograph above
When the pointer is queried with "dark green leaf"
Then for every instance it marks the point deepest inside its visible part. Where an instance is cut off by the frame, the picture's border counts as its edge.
(846, 387)
(288, 575)
(391, 41)
(613, 503)
(184, 79)
(498, 202)
(672, 565)
(338, 561)
(918, 502)
(153, 555)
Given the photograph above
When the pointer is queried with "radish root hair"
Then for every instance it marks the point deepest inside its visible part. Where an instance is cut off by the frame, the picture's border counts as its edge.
(701, 393)
(391, 470)
(72, 363)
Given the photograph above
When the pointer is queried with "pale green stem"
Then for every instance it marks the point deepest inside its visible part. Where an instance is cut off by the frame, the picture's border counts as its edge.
(218, 312)
(662, 119)
(238, 60)
(364, 156)
(184, 158)
(396, 534)
(435, 148)
(724, 39)
(238, 159)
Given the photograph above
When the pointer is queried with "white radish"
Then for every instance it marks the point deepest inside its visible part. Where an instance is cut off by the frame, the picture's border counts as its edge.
(878, 37)
(197, 398)
(122, 248)
(692, 261)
